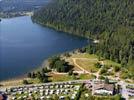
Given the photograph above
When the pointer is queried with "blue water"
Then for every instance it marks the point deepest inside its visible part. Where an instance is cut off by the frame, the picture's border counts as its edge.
(24, 45)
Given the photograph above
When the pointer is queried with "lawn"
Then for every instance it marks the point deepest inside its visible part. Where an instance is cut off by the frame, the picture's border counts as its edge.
(88, 65)
(85, 55)
(58, 77)
(34, 81)
(109, 62)
(87, 61)
(86, 76)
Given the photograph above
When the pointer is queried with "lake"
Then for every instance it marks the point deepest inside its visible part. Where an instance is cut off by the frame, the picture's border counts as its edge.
(24, 45)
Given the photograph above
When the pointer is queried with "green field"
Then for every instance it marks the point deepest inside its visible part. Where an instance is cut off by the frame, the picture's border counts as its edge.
(85, 55)
(88, 65)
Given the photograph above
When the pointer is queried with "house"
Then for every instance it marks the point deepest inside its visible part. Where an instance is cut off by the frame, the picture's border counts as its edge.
(61, 98)
(77, 87)
(51, 92)
(73, 96)
(13, 98)
(103, 89)
(48, 97)
(42, 97)
(20, 98)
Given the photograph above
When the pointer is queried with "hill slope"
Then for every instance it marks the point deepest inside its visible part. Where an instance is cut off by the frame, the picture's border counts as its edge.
(8, 6)
(112, 22)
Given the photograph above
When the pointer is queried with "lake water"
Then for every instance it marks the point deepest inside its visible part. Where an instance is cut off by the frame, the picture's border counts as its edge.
(25, 45)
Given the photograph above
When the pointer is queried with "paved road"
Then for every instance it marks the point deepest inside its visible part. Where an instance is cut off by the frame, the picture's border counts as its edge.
(124, 90)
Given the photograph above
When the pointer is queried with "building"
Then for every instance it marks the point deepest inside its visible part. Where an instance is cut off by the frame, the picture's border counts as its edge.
(103, 89)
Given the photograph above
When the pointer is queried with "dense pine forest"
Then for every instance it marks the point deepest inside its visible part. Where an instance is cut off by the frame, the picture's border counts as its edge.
(109, 21)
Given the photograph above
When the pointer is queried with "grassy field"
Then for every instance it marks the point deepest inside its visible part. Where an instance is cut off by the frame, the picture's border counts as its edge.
(58, 77)
(86, 76)
(88, 61)
(34, 81)
(88, 65)
(84, 55)
(109, 62)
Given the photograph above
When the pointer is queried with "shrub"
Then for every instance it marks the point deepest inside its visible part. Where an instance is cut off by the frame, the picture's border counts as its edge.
(116, 68)
(25, 82)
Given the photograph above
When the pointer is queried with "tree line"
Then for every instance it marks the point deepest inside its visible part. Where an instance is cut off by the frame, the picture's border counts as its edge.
(111, 22)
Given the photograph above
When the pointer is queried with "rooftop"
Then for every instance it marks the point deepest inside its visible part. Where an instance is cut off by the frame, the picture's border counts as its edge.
(109, 87)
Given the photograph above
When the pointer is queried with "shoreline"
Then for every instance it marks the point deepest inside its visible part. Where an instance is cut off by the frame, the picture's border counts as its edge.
(42, 62)
(16, 14)
(67, 32)
(15, 78)
(18, 79)
(22, 77)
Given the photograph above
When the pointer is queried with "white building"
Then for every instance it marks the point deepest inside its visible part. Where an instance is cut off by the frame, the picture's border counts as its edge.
(100, 89)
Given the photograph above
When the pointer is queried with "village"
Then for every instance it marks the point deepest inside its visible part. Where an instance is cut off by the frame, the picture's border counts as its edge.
(45, 91)
(69, 90)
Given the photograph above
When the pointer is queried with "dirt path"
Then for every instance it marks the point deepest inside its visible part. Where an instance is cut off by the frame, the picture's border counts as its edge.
(82, 69)
(85, 71)
(97, 74)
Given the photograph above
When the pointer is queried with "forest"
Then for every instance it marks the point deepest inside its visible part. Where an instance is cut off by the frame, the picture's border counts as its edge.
(109, 21)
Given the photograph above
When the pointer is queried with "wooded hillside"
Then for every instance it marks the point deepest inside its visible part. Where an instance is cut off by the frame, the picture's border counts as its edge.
(110, 21)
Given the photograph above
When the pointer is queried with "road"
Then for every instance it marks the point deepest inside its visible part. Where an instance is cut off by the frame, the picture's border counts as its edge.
(124, 90)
